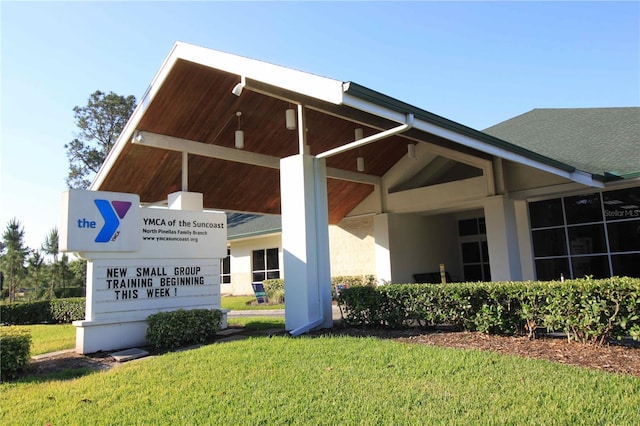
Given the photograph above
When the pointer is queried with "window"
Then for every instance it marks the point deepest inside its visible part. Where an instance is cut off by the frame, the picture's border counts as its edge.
(583, 208)
(475, 252)
(594, 234)
(225, 269)
(265, 264)
(472, 227)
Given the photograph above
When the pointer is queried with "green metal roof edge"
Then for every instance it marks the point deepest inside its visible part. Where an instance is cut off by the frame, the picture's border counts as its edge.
(254, 234)
(383, 100)
(609, 176)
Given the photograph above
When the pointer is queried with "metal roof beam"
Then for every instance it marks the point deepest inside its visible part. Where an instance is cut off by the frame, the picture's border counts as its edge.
(370, 139)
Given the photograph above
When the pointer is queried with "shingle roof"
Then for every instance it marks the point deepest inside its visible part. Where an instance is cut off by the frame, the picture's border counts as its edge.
(601, 141)
(242, 225)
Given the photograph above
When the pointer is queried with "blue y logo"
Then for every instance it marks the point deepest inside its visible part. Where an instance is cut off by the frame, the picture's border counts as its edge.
(110, 211)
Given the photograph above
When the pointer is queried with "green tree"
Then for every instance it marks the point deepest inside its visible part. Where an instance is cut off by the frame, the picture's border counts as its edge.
(13, 257)
(65, 274)
(35, 265)
(79, 269)
(99, 124)
(51, 248)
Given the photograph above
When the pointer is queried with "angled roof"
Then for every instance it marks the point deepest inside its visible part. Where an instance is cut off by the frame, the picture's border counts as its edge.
(602, 141)
(184, 131)
(242, 225)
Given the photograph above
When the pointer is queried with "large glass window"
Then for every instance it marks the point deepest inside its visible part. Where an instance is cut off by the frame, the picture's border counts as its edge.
(622, 204)
(587, 239)
(592, 266)
(594, 235)
(583, 208)
(624, 235)
(265, 264)
(546, 213)
(549, 242)
(552, 269)
(626, 265)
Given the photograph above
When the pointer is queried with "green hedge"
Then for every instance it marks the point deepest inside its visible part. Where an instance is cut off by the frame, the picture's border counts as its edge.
(587, 310)
(169, 330)
(46, 311)
(65, 292)
(15, 345)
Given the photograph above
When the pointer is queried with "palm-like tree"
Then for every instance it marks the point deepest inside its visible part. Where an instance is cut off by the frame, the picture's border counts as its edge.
(34, 267)
(51, 248)
(14, 253)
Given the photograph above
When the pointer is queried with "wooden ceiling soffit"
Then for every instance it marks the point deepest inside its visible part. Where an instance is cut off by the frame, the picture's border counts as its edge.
(229, 179)
(164, 142)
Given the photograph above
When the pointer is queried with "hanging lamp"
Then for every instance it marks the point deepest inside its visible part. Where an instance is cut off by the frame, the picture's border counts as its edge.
(239, 136)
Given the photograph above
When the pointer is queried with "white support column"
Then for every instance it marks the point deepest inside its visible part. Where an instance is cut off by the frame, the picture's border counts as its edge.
(502, 239)
(524, 240)
(383, 249)
(305, 241)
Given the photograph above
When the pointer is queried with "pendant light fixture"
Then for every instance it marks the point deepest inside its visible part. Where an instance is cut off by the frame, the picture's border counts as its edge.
(290, 118)
(239, 139)
(358, 134)
(411, 151)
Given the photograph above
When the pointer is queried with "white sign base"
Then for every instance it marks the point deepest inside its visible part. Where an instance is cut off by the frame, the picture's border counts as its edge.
(96, 336)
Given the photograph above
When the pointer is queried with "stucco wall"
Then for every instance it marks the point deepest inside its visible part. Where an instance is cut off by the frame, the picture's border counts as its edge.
(520, 177)
(241, 262)
(421, 243)
(352, 245)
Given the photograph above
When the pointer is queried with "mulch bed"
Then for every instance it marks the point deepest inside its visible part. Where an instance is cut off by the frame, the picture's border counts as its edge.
(621, 358)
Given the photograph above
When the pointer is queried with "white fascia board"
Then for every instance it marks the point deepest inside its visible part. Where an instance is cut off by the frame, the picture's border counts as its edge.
(576, 176)
(371, 108)
(322, 88)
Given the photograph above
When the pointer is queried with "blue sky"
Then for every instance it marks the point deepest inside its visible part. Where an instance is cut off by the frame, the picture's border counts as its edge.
(477, 63)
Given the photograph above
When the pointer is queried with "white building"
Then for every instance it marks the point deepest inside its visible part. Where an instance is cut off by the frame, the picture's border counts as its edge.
(386, 188)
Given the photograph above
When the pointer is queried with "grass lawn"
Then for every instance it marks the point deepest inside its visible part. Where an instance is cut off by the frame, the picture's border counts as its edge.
(327, 381)
(257, 323)
(239, 303)
(47, 338)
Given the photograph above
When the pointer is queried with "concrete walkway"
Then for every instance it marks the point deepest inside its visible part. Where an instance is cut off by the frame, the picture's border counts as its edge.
(274, 313)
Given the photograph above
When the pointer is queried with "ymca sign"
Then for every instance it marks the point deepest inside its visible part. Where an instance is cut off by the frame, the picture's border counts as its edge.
(100, 221)
(140, 261)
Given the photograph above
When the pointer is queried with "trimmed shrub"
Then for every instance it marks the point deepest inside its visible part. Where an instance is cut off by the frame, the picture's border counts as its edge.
(45, 311)
(67, 310)
(15, 345)
(66, 292)
(25, 313)
(589, 311)
(170, 330)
